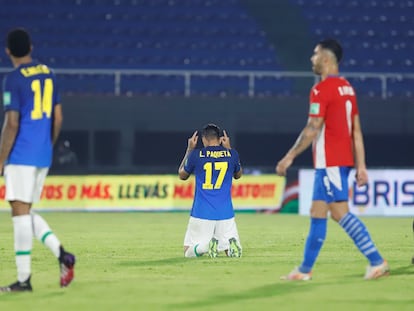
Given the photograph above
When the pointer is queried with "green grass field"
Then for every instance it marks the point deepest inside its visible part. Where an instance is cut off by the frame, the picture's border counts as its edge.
(134, 261)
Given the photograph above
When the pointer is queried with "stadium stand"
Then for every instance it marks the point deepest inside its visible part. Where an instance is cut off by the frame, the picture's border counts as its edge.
(206, 35)
(156, 34)
(378, 36)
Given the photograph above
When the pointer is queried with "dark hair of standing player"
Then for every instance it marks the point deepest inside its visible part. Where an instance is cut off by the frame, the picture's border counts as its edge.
(19, 42)
(333, 46)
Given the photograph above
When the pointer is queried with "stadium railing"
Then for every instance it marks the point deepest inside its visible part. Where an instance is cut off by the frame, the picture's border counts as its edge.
(188, 75)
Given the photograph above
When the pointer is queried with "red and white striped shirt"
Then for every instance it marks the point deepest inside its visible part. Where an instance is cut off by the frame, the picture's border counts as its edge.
(334, 100)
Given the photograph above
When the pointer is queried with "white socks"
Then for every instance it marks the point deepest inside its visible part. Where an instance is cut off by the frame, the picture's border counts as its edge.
(202, 248)
(196, 250)
(23, 242)
(25, 226)
(44, 234)
(189, 253)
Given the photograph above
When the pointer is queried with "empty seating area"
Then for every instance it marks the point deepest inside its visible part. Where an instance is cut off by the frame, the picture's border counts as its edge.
(205, 35)
(378, 35)
(150, 85)
(144, 34)
(184, 34)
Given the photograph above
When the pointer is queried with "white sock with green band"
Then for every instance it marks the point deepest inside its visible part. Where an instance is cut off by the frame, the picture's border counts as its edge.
(200, 249)
(189, 253)
(23, 242)
(45, 235)
(196, 250)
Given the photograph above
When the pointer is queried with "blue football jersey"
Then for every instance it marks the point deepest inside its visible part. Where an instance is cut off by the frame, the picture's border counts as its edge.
(213, 168)
(31, 90)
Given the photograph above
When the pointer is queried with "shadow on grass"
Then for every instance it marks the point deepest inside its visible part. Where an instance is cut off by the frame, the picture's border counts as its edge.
(10, 296)
(266, 291)
(274, 290)
(160, 262)
(404, 270)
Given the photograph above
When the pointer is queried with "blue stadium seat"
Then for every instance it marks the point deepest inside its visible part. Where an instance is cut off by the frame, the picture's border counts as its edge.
(87, 84)
(366, 87)
(140, 27)
(222, 86)
(273, 86)
(146, 34)
(399, 87)
(377, 35)
(152, 85)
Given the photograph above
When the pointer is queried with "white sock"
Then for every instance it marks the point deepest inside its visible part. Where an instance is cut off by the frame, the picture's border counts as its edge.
(189, 253)
(201, 248)
(196, 250)
(23, 242)
(45, 235)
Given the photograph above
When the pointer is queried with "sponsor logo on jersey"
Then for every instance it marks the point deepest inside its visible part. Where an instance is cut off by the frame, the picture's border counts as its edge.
(6, 98)
(314, 108)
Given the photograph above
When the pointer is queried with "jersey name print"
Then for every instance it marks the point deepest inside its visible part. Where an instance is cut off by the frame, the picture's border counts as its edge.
(213, 168)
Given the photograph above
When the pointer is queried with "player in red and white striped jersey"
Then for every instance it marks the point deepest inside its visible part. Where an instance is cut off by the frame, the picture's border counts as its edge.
(335, 131)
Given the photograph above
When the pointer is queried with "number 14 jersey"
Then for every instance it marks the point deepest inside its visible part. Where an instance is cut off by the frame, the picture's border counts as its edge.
(213, 168)
(31, 90)
(334, 100)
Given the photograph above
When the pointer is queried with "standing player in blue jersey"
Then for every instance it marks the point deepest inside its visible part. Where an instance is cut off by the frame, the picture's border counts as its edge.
(32, 122)
(212, 227)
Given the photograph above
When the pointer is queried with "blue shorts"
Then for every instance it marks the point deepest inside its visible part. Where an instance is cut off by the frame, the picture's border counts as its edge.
(331, 184)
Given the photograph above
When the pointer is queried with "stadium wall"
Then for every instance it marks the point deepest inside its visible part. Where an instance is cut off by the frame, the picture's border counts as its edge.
(128, 133)
(149, 135)
(282, 115)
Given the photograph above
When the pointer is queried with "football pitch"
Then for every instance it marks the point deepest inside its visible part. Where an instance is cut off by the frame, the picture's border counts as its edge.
(134, 261)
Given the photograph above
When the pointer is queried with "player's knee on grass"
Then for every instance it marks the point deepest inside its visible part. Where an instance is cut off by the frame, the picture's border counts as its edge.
(189, 252)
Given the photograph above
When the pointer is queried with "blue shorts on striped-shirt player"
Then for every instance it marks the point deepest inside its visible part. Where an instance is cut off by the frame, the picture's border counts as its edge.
(331, 184)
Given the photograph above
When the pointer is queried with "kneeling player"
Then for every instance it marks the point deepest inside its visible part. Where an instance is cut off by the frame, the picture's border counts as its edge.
(212, 227)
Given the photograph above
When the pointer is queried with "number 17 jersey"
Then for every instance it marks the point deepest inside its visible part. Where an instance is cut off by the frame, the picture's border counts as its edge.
(213, 168)
(31, 90)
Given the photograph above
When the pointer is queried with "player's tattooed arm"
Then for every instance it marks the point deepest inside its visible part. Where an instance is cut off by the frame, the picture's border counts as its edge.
(182, 173)
(192, 143)
(305, 139)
